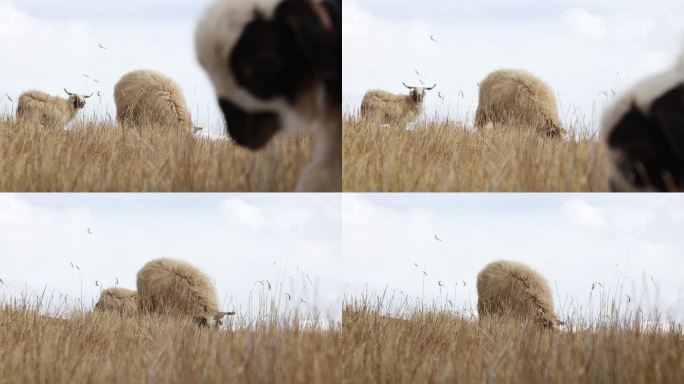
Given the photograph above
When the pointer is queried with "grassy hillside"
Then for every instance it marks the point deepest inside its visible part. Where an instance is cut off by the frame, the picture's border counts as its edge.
(443, 156)
(437, 346)
(101, 157)
(97, 348)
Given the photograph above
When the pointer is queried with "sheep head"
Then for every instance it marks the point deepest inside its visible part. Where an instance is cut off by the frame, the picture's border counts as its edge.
(418, 93)
(78, 101)
(212, 321)
(266, 58)
(648, 145)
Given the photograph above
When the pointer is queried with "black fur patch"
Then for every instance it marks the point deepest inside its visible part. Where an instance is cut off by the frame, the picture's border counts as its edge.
(251, 130)
(652, 144)
(283, 56)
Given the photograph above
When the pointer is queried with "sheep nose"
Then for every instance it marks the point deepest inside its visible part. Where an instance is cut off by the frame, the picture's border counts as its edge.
(251, 130)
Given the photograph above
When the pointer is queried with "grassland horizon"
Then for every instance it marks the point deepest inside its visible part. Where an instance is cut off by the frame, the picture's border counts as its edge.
(99, 156)
(442, 155)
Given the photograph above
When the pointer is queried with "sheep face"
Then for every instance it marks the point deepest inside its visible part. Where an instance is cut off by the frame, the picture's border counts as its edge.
(212, 322)
(418, 93)
(263, 58)
(647, 144)
(78, 101)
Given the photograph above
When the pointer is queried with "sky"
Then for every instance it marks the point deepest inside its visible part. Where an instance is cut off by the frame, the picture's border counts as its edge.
(585, 50)
(624, 245)
(48, 46)
(243, 242)
(321, 248)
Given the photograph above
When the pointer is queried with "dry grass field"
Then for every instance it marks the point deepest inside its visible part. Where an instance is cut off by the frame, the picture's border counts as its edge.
(101, 157)
(414, 346)
(443, 156)
(101, 348)
(436, 346)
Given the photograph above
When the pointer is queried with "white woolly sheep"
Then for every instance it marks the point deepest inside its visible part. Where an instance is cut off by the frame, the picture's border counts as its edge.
(49, 111)
(117, 299)
(644, 131)
(174, 287)
(389, 108)
(518, 98)
(147, 97)
(276, 65)
(507, 288)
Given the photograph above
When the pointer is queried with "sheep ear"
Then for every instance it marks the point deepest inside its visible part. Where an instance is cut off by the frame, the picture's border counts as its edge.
(668, 109)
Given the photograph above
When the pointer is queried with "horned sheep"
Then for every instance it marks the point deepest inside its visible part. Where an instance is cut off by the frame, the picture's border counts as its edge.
(49, 111)
(174, 287)
(518, 98)
(644, 132)
(507, 288)
(119, 300)
(146, 97)
(389, 108)
(276, 65)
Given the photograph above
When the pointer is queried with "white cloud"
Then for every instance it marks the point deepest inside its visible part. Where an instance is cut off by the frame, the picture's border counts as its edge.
(584, 23)
(582, 214)
(243, 213)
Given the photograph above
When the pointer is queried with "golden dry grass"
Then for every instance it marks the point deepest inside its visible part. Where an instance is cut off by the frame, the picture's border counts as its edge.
(101, 157)
(426, 345)
(441, 156)
(102, 348)
(437, 346)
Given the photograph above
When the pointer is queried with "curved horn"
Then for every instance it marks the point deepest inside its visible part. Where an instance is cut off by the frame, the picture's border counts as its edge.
(407, 86)
(427, 89)
(68, 93)
(85, 97)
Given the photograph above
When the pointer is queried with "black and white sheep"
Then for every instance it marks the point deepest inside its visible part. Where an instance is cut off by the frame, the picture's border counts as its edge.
(49, 111)
(518, 98)
(644, 131)
(276, 65)
(508, 288)
(390, 108)
(147, 97)
(175, 287)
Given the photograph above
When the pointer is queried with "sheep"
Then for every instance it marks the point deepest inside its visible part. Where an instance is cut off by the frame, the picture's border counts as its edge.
(644, 132)
(518, 98)
(120, 300)
(174, 287)
(145, 97)
(389, 108)
(276, 66)
(507, 288)
(48, 111)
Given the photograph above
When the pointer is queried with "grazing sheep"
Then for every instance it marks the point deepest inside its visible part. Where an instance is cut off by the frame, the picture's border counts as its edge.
(276, 65)
(644, 131)
(507, 288)
(518, 98)
(36, 106)
(147, 97)
(119, 300)
(389, 108)
(174, 287)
